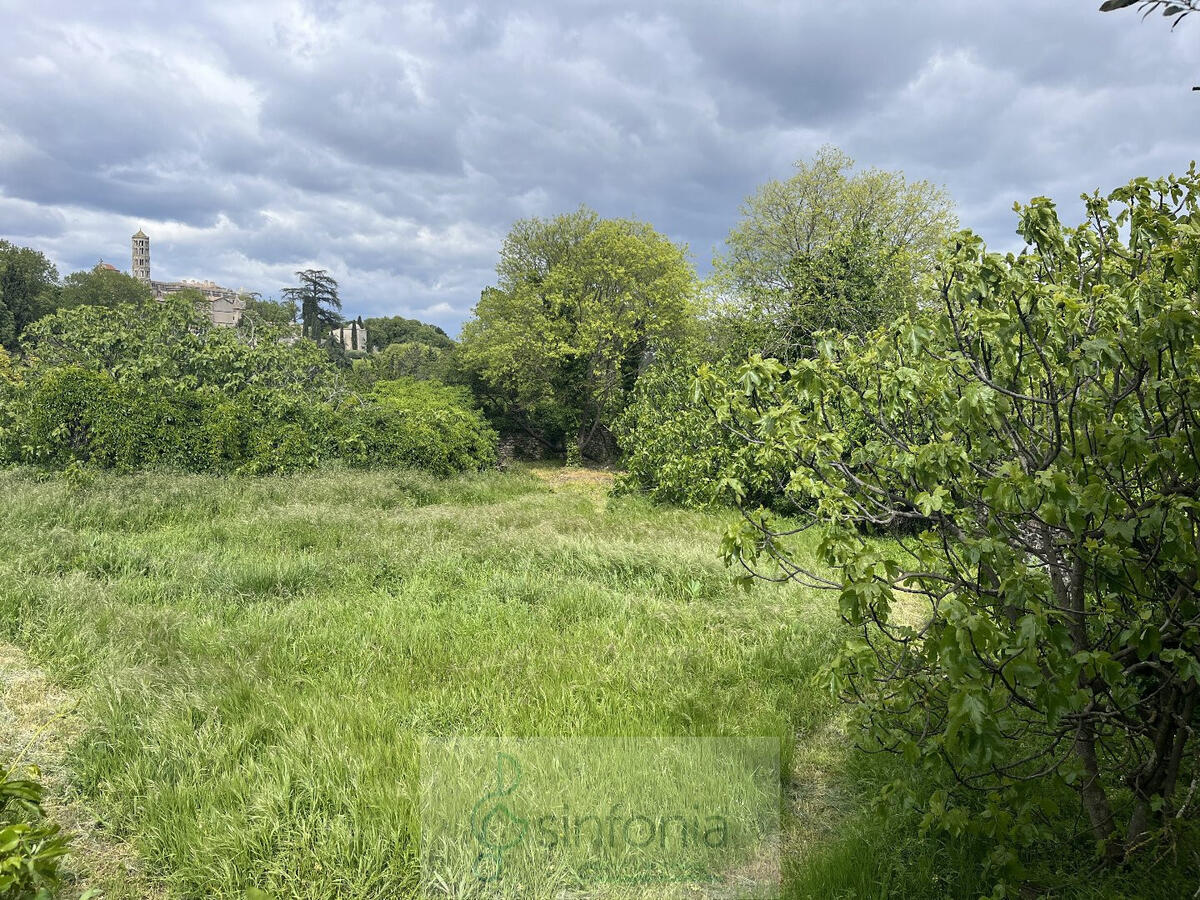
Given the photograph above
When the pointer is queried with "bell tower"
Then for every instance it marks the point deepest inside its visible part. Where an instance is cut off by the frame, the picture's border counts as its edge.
(141, 256)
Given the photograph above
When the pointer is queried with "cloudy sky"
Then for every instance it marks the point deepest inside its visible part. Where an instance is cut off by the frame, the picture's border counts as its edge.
(393, 144)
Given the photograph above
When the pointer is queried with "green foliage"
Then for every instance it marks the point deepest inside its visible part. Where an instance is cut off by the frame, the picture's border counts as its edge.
(337, 354)
(173, 343)
(357, 342)
(157, 386)
(78, 416)
(827, 248)
(12, 386)
(383, 331)
(30, 847)
(1171, 9)
(410, 359)
(316, 298)
(262, 312)
(675, 451)
(72, 413)
(581, 303)
(102, 287)
(418, 424)
(1038, 635)
(672, 449)
(481, 604)
(28, 290)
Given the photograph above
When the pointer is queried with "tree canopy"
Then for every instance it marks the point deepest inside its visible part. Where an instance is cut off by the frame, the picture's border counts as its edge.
(580, 305)
(1032, 444)
(28, 290)
(269, 312)
(411, 359)
(316, 297)
(385, 330)
(828, 247)
(102, 286)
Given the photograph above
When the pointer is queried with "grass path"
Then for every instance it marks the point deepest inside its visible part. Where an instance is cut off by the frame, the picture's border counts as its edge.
(39, 720)
(255, 659)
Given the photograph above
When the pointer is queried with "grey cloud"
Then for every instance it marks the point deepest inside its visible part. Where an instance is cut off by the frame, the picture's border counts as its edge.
(395, 143)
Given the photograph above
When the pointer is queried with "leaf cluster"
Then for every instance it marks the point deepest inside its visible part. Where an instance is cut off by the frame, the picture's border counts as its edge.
(580, 304)
(1033, 629)
(30, 847)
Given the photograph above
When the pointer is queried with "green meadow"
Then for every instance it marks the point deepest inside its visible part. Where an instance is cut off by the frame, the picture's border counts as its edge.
(255, 662)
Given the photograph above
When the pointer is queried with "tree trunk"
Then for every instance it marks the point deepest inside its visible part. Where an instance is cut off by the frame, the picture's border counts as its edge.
(1067, 579)
(1092, 795)
(1158, 776)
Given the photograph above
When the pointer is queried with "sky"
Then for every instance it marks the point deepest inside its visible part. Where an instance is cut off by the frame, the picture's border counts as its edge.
(394, 144)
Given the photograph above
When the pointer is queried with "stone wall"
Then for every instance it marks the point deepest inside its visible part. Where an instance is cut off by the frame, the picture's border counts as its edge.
(224, 306)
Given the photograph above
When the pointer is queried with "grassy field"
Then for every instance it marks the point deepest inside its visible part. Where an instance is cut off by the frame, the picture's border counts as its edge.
(254, 661)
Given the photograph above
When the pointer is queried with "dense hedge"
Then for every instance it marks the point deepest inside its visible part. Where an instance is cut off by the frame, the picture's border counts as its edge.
(200, 399)
(674, 450)
(421, 424)
(73, 414)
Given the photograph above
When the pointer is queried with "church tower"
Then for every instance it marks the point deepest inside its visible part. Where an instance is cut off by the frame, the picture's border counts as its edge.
(141, 256)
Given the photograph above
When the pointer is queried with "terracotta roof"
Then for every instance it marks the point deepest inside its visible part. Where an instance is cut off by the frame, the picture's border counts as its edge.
(104, 265)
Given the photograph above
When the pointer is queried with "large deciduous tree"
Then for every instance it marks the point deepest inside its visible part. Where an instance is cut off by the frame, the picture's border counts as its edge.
(580, 305)
(828, 247)
(382, 331)
(1033, 445)
(102, 286)
(28, 288)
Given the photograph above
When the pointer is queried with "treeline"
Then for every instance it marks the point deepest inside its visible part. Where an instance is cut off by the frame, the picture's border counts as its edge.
(151, 384)
(584, 347)
(95, 373)
(588, 342)
(30, 289)
(1023, 429)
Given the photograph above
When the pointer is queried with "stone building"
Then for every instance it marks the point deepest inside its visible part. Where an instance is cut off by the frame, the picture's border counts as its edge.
(224, 306)
(352, 336)
(141, 256)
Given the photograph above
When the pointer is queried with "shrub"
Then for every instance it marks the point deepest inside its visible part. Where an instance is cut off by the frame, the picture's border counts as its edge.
(170, 343)
(71, 415)
(1040, 634)
(12, 390)
(675, 451)
(672, 449)
(279, 432)
(74, 415)
(408, 360)
(155, 386)
(420, 424)
(30, 847)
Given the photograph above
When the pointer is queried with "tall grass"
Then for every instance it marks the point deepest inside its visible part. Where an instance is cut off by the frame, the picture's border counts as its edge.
(258, 658)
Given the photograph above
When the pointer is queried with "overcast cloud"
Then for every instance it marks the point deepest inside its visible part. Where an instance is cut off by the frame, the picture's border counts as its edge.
(394, 144)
